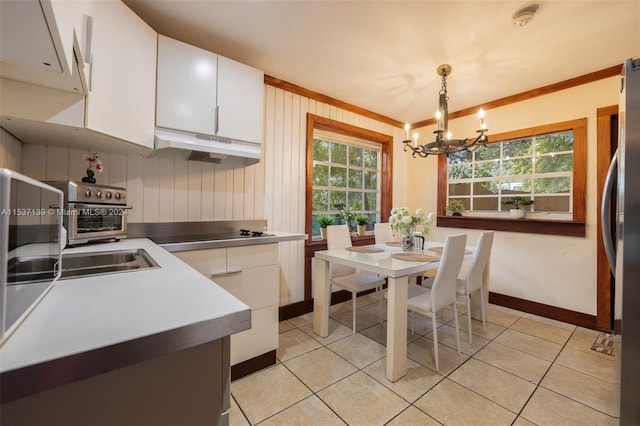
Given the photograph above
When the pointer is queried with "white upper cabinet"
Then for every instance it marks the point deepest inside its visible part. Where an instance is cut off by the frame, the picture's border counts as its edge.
(187, 81)
(204, 93)
(122, 86)
(37, 41)
(240, 101)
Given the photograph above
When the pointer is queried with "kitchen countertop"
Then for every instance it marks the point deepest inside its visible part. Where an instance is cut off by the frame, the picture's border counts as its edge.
(88, 326)
(273, 237)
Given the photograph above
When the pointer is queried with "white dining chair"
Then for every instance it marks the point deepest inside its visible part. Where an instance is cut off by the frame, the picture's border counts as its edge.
(473, 279)
(346, 277)
(383, 233)
(443, 290)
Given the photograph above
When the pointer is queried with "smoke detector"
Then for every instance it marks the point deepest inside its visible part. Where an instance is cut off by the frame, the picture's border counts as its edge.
(523, 16)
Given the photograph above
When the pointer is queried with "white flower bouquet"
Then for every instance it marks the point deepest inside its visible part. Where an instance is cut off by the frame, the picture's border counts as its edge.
(405, 223)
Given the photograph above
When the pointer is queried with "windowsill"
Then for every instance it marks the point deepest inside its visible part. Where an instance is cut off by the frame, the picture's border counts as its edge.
(527, 225)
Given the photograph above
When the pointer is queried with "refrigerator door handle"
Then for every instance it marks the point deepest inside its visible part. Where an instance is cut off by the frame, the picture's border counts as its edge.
(605, 208)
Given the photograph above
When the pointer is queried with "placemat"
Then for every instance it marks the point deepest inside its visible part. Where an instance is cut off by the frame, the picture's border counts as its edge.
(440, 249)
(414, 257)
(393, 243)
(365, 249)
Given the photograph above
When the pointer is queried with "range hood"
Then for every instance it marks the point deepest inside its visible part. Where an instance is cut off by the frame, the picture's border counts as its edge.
(176, 144)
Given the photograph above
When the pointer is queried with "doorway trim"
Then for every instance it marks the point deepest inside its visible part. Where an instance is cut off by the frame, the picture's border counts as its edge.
(605, 121)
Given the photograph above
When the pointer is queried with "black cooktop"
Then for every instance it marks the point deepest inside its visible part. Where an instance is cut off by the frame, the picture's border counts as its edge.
(173, 239)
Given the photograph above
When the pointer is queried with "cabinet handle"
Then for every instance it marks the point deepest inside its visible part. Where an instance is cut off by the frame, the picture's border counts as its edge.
(216, 117)
(222, 274)
(88, 38)
(91, 73)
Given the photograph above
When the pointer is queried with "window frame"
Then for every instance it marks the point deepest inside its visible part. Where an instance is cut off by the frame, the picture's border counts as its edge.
(575, 227)
(316, 122)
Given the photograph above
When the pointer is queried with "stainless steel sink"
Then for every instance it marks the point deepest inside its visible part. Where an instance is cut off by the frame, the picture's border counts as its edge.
(29, 269)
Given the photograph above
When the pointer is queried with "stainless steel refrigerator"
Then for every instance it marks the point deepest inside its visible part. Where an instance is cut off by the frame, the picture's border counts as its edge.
(624, 252)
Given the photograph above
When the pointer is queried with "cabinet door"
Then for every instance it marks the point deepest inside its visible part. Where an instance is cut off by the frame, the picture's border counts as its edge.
(121, 102)
(240, 101)
(208, 262)
(186, 87)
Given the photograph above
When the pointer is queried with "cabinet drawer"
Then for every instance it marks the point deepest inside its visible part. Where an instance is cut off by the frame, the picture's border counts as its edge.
(252, 256)
(257, 287)
(261, 338)
(207, 262)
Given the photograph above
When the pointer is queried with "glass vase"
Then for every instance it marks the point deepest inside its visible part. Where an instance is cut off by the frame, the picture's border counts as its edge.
(406, 241)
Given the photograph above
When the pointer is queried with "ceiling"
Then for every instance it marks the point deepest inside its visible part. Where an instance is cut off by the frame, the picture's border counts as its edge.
(383, 55)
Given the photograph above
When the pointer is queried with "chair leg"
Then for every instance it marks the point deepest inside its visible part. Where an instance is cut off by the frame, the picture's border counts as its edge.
(469, 316)
(380, 303)
(353, 304)
(435, 340)
(484, 318)
(455, 315)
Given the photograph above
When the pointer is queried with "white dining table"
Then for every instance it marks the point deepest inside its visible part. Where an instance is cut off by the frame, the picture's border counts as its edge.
(397, 273)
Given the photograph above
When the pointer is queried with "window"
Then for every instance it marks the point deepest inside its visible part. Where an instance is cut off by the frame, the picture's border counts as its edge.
(545, 164)
(347, 167)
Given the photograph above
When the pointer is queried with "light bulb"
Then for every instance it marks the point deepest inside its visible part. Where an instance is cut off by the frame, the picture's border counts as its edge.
(415, 139)
(406, 129)
(448, 135)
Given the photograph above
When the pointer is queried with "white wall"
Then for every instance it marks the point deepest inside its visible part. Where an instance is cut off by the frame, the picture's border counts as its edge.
(553, 270)
(10, 149)
(285, 173)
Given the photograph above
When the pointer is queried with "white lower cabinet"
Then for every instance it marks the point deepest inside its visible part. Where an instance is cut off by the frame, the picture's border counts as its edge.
(252, 274)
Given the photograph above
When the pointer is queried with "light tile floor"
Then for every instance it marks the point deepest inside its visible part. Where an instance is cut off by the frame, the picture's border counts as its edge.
(524, 370)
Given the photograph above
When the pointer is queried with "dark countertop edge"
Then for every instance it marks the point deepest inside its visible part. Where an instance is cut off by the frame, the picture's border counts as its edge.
(202, 245)
(22, 382)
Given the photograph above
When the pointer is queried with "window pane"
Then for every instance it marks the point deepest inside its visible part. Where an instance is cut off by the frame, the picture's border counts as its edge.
(459, 189)
(338, 200)
(460, 171)
(355, 156)
(519, 166)
(320, 150)
(320, 175)
(487, 169)
(320, 200)
(488, 152)
(355, 179)
(517, 148)
(552, 185)
(554, 163)
(338, 153)
(460, 157)
(552, 204)
(338, 177)
(486, 188)
(555, 142)
(370, 201)
(489, 203)
(370, 180)
(519, 186)
(370, 159)
(355, 200)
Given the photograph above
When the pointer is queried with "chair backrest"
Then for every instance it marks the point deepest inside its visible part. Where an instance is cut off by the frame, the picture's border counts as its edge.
(338, 237)
(480, 262)
(383, 232)
(443, 290)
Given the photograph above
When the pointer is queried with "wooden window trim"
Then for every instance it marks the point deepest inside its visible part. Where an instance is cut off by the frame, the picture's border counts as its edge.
(574, 228)
(386, 157)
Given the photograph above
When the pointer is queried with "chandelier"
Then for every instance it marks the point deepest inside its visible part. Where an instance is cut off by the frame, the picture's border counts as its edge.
(444, 143)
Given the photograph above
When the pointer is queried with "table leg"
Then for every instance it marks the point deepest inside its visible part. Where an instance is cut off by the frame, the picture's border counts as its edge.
(397, 328)
(321, 297)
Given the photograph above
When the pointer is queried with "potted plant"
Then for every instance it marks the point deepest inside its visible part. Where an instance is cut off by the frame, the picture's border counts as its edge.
(455, 207)
(349, 215)
(324, 221)
(517, 202)
(362, 220)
